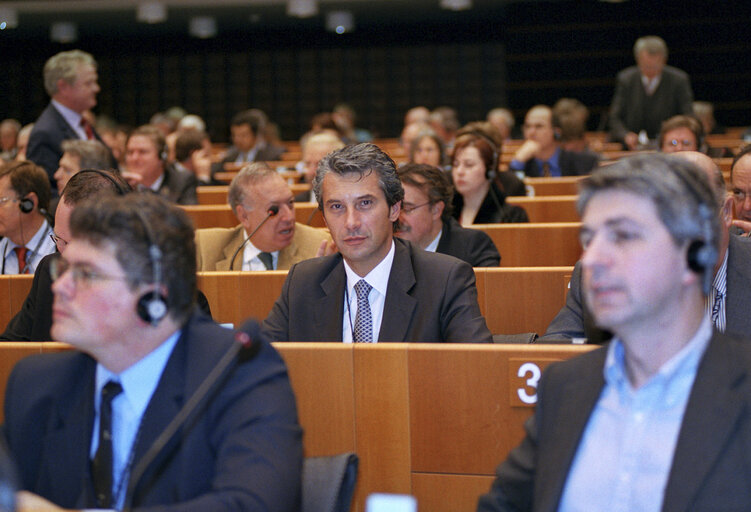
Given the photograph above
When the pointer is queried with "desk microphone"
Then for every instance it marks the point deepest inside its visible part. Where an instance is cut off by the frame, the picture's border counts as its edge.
(273, 210)
(244, 349)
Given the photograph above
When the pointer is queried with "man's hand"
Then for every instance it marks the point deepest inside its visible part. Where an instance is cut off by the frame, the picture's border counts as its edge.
(527, 151)
(327, 247)
(632, 140)
(133, 179)
(744, 225)
(30, 502)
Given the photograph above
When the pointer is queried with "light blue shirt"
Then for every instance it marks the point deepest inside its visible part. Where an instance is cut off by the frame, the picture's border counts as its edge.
(138, 382)
(433, 246)
(626, 452)
(71, 117)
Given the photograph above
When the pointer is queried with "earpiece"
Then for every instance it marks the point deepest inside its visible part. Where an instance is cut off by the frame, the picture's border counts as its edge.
(26, 205)
(702, 254)
(491, 172)
(163, 155)
(152, 306)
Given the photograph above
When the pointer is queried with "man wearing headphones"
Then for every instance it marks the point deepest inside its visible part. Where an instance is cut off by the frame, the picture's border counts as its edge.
(146, 161)
(24, 199)
(125, 293)
(540, 154)
(681, 133)
(660, 418)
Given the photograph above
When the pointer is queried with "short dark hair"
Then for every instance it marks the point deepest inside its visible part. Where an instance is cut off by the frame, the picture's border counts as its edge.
(434, 182)
(187, 142)
(155, 135)
(361, 159)
(484, 145)
(252, 118)
(27, 177)
(93, 182)
(117, 220)
(428, 133)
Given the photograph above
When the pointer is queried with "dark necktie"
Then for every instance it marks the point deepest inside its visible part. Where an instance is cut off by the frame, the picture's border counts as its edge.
(87, 128)
(363, 319)
(267, 260)
(101, 465)
(546, 169)
(21, 253)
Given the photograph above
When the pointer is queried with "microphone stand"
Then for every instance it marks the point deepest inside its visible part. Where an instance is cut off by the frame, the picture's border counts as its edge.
(273, 210)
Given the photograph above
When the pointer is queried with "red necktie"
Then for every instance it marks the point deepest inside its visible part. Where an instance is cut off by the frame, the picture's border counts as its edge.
(87, 128)
(21, 255)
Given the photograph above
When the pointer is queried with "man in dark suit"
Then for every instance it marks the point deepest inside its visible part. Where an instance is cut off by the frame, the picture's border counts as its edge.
(660, 417)
(376, 289)
(146, 161)
(731, 285)
(426, 221)
(248, 143)
(70, 79)
(541, 154)
(647, 94)
(125, 299)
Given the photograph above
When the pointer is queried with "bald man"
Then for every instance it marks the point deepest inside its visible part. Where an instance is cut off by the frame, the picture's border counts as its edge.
(731, 288)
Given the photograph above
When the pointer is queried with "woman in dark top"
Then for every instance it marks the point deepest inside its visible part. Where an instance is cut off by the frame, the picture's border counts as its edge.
(479, 198)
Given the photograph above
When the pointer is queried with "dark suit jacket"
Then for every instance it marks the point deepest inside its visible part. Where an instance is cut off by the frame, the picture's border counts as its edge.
(494, 208)
(430, 297)
(49, 132)
(572, 163)
(632, 110)
(179, 186)
(575, 320)
(471, 245)
(710, 469)
(34, 320)
(244, 451)
(265, 154)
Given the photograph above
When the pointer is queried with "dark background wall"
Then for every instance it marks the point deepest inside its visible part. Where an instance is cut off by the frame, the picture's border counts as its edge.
(498, 54)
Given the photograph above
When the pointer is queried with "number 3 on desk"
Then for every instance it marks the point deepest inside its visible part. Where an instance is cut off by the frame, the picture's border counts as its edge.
(532, 372)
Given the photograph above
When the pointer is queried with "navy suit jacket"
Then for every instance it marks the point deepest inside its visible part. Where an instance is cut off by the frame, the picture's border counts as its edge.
(572, 163)
(431, 297)
(575, 320)
(632, 110)
(243, 450)
(710, 469)
(471, 245)
(179, 186)
(48, 134)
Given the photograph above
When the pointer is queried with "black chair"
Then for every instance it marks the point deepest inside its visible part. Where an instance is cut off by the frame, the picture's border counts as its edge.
(328, 483)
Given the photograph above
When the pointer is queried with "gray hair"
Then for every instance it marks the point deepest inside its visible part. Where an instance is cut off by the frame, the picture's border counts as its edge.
(679, 189)
(91, 153)
(64, 66)
(653, 45)
(249, 175)
(504, 114)
(361, 159)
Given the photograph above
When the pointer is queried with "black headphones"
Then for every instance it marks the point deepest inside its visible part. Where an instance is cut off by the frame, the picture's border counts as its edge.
(152, 306)
(26, 205)
(117, 186)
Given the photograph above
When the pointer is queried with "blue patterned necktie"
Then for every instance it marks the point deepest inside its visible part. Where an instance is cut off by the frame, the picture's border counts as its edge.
(364, 320)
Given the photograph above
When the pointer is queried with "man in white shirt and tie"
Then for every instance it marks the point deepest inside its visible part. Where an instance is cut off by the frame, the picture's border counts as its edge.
(71, 80)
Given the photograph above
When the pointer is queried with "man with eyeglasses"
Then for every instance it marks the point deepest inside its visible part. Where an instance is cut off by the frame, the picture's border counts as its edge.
(33, 321)
(24, 200)
(426, 221)
(681, 133)
(80, 434)
(740, 187)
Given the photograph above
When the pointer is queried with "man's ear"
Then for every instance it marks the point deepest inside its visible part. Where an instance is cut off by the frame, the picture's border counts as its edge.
(394, 211)
(726, 212)
(437, 209)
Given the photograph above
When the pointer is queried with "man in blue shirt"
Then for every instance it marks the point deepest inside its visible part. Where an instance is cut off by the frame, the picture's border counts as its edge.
(660, 418)
(79, 422)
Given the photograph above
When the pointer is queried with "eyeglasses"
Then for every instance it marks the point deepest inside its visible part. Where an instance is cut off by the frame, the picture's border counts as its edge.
(5, 199)
(59, 241)
(684, 142)
(83, 276)
(409, 209)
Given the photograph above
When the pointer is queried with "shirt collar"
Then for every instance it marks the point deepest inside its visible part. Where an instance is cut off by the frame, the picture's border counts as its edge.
(72, 117)
(378, 278)
(140, 380)
(668, 376)
(720, 282)
(433, 246)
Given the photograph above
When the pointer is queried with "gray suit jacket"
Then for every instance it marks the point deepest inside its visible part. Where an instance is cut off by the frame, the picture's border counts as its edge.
(431, 297)
(574, 320)
(710, 469)
(179, 186)
(216, 246)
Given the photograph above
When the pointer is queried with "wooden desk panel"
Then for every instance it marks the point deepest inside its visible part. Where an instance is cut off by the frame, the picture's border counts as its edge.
(548, 208)
(13, 291)
(561, 186)
(535, 244)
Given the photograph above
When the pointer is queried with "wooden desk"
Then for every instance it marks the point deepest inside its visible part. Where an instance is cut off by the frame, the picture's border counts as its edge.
(535, 244)
(548, 208)
(430, 420)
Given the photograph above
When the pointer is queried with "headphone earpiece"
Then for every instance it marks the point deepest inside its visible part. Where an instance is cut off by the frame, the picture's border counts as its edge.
(26, 205)
(702, 255)
(152, 306)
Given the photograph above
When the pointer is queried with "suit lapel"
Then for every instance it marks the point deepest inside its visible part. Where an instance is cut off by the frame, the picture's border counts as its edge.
(712, 413)
(738, 289)
(68, 131)
(332, 286)
(229, 250)
(287, 255)
(399, 305)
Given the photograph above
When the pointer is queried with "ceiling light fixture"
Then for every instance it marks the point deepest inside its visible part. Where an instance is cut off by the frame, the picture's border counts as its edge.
(340, 21)
(63, 32)
(456, 5)
(302, 8)
(202, 27)
(8, 18)
(151, 12)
